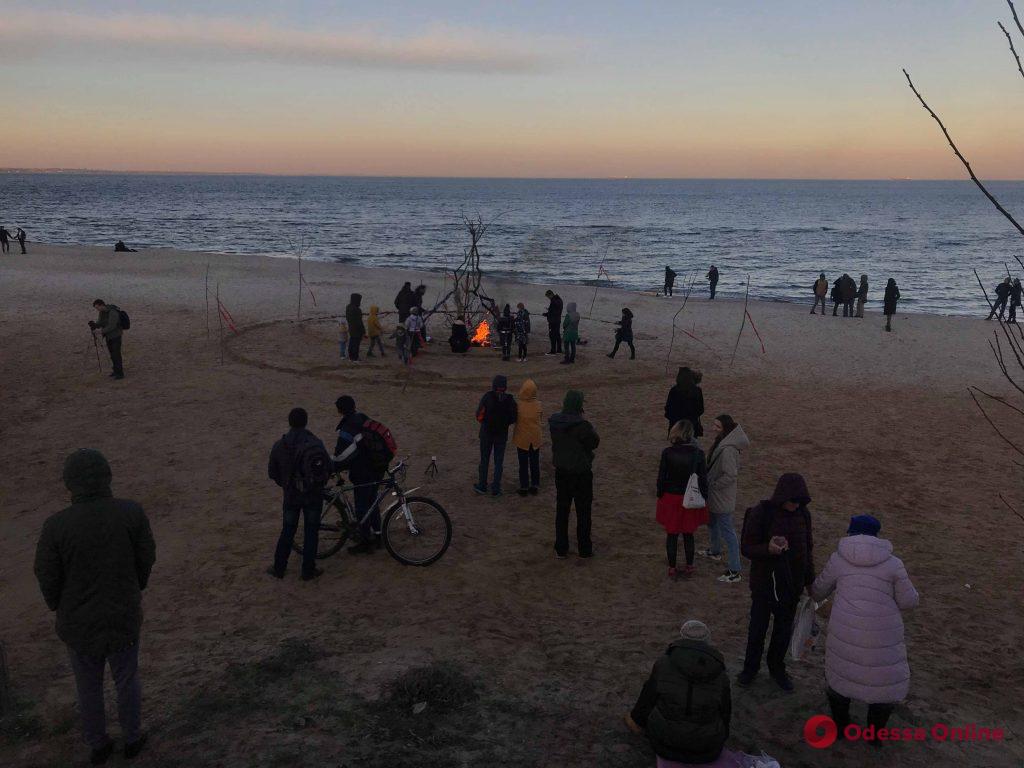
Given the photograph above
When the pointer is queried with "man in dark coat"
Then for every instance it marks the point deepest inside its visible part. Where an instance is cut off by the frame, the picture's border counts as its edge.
(1002, 295)
(777, 540)
(301, 497)
(108, 325)
(351, 456)
(685, 706)
(496, 413)
(1015, 299)
(404, 301)
(356, 328)
(554, 316)
(670, 280)
(5, 244)
(20, 236)
(848, 294)
(836, 294)
(93, 560)
(573, 442)
(713, 280)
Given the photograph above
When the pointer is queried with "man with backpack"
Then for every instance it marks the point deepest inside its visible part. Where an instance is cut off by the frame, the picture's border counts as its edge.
(778, 542)
(301, 466)
(365, 448)
(496, 413)
(110, 324)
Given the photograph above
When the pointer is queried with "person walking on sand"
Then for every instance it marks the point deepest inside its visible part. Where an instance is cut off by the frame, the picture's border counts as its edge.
(356, 328)
(670, 280)
(865, 653)
(526, 435)
(713, 281)
(820, 289)
(301, 466)
(5, 243)
(522, 330)
(506, 328)
(892, 296)
(1002, 291)
(496, 413)
(92, 562)
(1015, 300)
(109, 324)
(685, 400)
(374, 331)
(570, 333)
(685, 706)
(554, 316)
(862, 295)
(624, 333)
(679, 461)
(404, 301)
(20, 236)
(777, 540)
(723, 474)
(573, 442)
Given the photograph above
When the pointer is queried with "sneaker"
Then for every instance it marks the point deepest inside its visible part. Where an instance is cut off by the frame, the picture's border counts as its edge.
(275, 573)
(744, 678)
(133, 749)
(534, 490)
(316, 574)
(522, 491)
(709, 554)
(100, 755)
(363, 548)
(783, 681)
(730, 577)
(550, 354)
(480, 489)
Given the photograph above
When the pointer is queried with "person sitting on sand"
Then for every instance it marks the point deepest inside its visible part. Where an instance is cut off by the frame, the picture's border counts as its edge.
(120, 247)
(865, 654)
(685, 707)
(679, 461)
(93, 561)
(374, 331)
(820, 289)
(892, 295)
(1002, 292)
(459, 339)
(522, 330)
(624, 333)
(496, 413)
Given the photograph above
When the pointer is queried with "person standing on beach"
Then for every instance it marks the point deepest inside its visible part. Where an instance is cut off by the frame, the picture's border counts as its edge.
(109, 325)
(414, 325)
(354, 452)
(20, 236)
(1002, 296)
(862, 295)
(777, 540)
(713, 280)
(723, 475)
(527, 438)
(685, 400)
(670, 280)
(5, 244)
(506, 328)
(820, 289)
(848, 294)
(374, 331)
(404, 302)
(417, 301)
(93, 561)
(624, 333)
(554, 316)
(570, 333)
(300, 465)
(865, 654)
(573, 442)
(496, 413)
(679, 461)
(356, 328)
(892, 295)
(1015, 298)
(522, 330)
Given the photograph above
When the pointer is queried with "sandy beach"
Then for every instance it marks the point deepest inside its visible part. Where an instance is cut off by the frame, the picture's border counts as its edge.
(877, 422)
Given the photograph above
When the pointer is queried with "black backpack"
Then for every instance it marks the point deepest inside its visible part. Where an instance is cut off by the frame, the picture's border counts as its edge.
(378, 443)
(126, 322)
(312, 467)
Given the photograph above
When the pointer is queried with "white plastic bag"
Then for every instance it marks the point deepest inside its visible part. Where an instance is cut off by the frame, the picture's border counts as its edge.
(758, 761)
(803, 628)
(693, 498)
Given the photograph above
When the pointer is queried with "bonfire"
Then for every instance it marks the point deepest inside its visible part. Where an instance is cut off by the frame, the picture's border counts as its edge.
(482, 335)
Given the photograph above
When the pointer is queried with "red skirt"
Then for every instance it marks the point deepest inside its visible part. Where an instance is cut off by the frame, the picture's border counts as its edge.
(675, 518)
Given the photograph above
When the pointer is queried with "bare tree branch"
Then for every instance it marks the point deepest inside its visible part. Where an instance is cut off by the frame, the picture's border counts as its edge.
(1016, 20)
(997, 398)
(1018, 514)
(993, 425)
(1012, 49)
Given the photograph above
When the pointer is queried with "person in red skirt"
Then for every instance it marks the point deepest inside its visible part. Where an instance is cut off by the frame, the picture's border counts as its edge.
(681, 459)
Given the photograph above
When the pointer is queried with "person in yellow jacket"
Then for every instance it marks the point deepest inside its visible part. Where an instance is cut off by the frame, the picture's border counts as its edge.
(374, 331)
(527, 435)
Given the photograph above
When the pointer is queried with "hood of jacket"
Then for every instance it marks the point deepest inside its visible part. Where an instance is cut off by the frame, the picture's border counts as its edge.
(737, 439)
(790, 486)
(696, 660)
(864, 551)
(374, 309)
(87, 475)
(563, 422)
(499, 383)
(572, 404)
(357, 299)
(570, 310)
(528, 391)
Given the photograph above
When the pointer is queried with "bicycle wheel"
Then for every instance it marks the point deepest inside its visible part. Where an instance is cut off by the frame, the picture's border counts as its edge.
(335, 528)
(417, 532)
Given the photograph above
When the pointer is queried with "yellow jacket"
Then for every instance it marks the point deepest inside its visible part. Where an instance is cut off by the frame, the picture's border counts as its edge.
(527, 432)
(373, 328)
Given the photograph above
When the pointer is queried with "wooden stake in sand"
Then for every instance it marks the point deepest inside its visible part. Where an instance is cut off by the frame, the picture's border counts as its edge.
(743, 323)
(207, 299)
(5, 683)
(220, 323)
(672, 341)
(298, 309)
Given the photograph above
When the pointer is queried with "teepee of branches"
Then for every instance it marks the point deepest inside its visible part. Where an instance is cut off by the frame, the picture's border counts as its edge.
(466, 298)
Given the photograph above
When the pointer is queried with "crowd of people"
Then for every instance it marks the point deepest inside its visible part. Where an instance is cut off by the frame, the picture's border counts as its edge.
(852, 296)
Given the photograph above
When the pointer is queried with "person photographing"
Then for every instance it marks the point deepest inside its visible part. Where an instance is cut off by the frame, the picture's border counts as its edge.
(110, 324)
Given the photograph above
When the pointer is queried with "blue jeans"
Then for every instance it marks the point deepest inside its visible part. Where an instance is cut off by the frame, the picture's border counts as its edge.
(364, 496)
(310, 508)
(124, 666)
(721, 528)
(488, 445)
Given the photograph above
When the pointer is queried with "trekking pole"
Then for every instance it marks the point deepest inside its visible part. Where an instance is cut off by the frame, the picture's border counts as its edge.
(96, 346)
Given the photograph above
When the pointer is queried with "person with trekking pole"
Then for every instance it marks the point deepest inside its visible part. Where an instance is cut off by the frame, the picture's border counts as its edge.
(110, 324)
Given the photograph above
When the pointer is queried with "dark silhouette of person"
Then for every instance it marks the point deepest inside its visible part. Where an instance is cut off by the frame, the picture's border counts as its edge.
(713, 280)
(404, 302)
(554, 316)
(20, 236)
(5, 240)
(670, 280)
(1002, 296)
(120, 247)
(1015, 297)
(624, 334)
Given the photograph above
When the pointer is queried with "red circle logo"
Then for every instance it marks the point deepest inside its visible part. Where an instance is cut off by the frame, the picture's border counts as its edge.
(820, 731)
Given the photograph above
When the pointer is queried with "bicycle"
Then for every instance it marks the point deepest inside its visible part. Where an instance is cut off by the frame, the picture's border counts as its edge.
(415, 530)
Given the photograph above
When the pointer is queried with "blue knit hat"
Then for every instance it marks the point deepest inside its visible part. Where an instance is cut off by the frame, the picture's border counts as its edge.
(863, 525)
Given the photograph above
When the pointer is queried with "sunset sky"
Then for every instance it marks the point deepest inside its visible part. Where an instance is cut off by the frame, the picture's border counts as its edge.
(578, 88)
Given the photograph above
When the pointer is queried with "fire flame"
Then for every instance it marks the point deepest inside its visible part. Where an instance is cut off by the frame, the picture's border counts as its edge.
(482, 335)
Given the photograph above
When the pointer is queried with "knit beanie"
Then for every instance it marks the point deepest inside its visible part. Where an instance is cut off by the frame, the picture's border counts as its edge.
(695, 630)
(863, 525)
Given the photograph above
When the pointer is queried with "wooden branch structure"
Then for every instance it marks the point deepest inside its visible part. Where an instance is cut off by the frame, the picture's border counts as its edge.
(220, 321)
(1012, 49)
(207, 299)
(672, 341)
(743, 322)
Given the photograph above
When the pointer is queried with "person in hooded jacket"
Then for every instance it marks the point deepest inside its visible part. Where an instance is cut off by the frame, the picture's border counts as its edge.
(570, 333)
(527, 438)
(778, 541)
(865, 653)
(298, 500)
(685, 707)
(685, 401)
(723, 474)
(848, 293)
(892, 296)
(573, 442)
(836, 295)
(1015, 299)
(92, 562)
(459, 338)
(496, 413)
(404, 301)
(1002, 291)
(356, 328)
(624, 333)
(522, 330)
(820, 289)
(416, 328)
(348, 456)
(862, 295)
(713, 281)
(670, 280)
(374, 331)
(554, 316)
(506, 327)
(681, 459)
